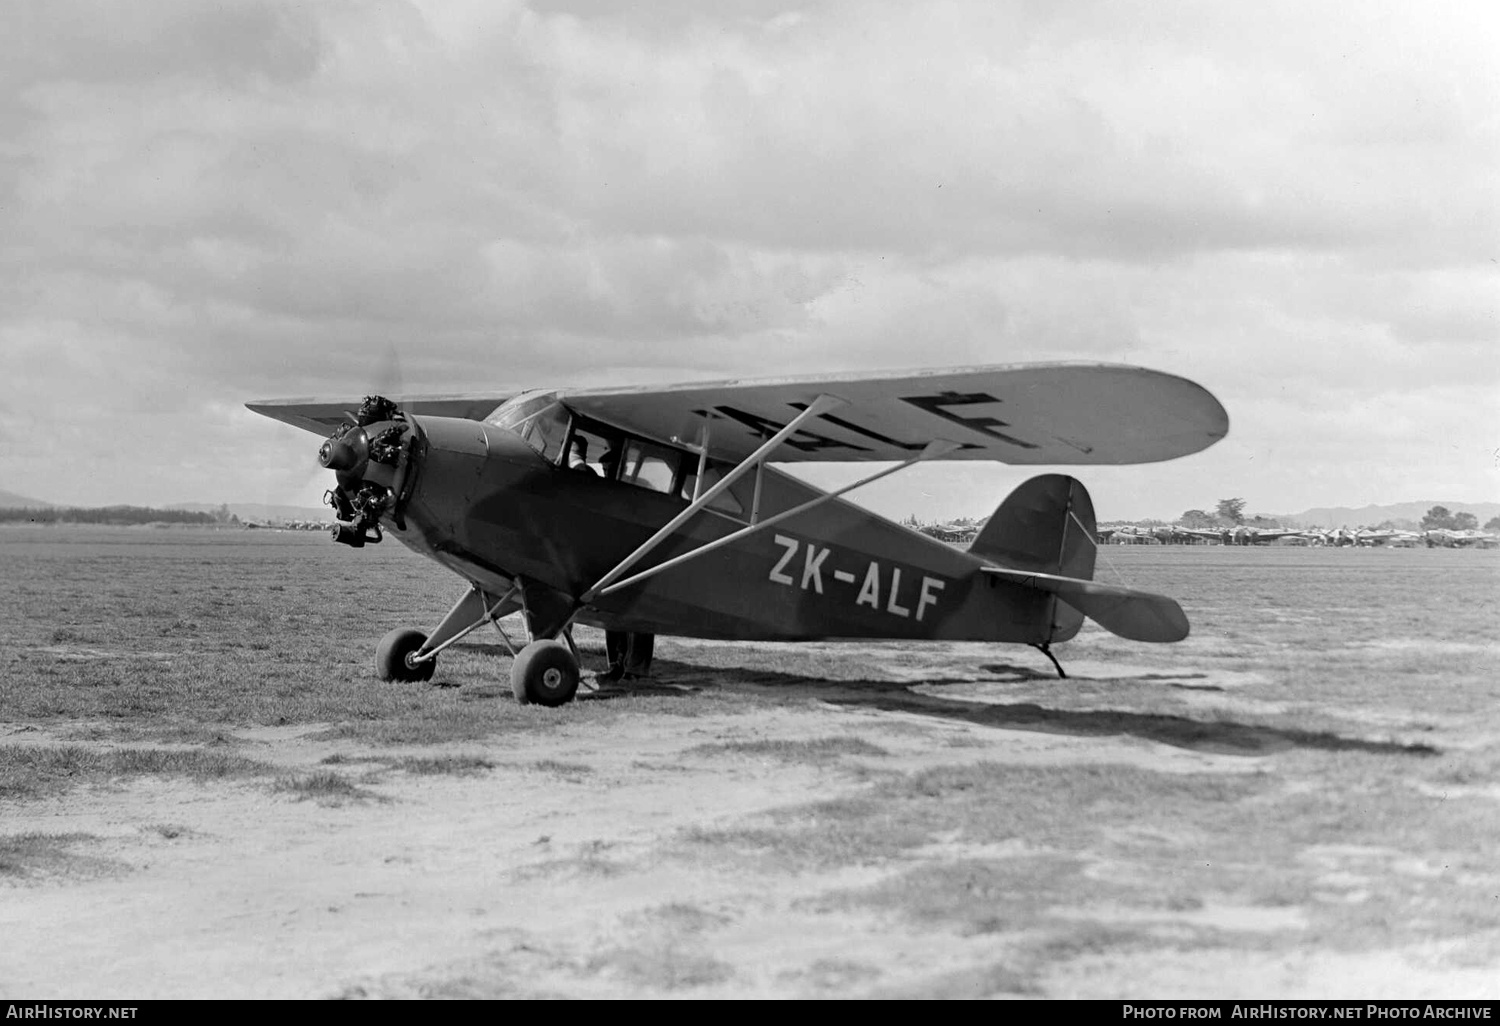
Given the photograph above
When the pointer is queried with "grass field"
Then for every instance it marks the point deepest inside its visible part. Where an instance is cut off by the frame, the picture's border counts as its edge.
(1300, 800)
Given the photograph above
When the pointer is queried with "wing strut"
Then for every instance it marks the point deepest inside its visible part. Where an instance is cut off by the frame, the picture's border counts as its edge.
(932, 451)
(822, 404)
(703, 433)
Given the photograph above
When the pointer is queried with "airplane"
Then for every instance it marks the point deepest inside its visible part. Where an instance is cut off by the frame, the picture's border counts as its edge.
(1371, 537)
(1338, 537)
(1363, 537)
(953, 534)
(1238, 535)
(1217, 535)
(1125, 534)
(672, 517)
(1173, 535)
(1132, 534)
(1448, 538)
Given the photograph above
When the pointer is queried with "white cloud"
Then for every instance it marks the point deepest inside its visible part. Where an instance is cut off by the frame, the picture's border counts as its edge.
(1292, 204)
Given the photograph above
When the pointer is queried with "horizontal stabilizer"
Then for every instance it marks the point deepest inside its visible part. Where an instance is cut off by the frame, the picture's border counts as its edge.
(1128, 612)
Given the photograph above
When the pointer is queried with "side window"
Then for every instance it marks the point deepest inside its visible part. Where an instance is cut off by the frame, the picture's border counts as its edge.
(649, 466)
(599, 452)
(725, 501)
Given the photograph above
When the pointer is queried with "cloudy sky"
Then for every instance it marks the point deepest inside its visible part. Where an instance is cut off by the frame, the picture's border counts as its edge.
(1294, 204)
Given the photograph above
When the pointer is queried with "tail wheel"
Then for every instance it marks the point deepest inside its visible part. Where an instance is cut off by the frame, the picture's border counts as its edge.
(393, 657)
(545, 673)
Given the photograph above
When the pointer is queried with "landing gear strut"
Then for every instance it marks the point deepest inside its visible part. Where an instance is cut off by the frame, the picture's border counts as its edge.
(1046, 649)
(546, 672)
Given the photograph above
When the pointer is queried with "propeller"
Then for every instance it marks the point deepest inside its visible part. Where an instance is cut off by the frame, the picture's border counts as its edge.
(386, 380)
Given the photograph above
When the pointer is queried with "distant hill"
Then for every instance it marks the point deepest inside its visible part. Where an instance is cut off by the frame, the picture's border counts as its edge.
(260, 511)
(10, 500)
(1338, 516)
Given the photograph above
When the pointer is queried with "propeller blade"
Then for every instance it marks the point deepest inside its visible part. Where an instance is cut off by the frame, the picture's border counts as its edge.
(388, 379)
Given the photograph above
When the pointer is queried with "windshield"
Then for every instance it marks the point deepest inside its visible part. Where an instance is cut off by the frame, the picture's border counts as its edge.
(538, 417)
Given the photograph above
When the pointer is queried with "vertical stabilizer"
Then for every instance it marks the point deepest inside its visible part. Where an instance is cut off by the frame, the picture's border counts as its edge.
(1045, 526)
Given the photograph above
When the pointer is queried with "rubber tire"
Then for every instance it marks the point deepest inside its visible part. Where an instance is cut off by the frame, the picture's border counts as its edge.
(545, 673)
(391, 653)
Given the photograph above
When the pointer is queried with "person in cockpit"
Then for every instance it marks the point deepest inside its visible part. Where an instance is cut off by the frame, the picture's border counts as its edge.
(578, 455)
(610, 460)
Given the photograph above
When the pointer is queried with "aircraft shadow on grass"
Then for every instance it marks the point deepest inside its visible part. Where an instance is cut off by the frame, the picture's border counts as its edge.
(1224, 737)
(676, 679)
(1221, 737)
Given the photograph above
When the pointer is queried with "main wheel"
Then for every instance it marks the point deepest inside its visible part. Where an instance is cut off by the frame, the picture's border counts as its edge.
(545, 673)
(391, 657)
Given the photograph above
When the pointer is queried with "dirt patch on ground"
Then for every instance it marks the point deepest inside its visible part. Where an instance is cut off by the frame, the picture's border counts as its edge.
(567, 865)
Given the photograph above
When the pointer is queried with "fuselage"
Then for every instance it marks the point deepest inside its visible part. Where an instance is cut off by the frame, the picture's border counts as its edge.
(486, 504)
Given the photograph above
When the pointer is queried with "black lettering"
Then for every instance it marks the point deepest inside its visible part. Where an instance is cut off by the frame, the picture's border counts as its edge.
(806, 441)
(849, 426)
(934, 404)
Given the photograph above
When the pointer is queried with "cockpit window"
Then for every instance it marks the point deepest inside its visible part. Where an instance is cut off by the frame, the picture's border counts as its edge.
(538, 417)
(548, 426)
(649, 465)
(594, 449)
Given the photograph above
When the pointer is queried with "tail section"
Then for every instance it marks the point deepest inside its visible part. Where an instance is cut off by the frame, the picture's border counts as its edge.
(1042, 537)
(1047, 525)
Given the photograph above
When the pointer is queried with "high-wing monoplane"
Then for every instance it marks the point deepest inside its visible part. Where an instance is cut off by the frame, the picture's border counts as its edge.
(660, 509)
(1448, 538)
(1242, 535)
(1213, 535)
(1263, 535)
(1374, 537)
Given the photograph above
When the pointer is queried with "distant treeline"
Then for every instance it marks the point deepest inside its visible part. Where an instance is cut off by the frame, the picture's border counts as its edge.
(118, 515)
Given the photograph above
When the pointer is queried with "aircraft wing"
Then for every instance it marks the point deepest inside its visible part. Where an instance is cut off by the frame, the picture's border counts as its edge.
(1049, 413)
(1057, 413)
(321, 416)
